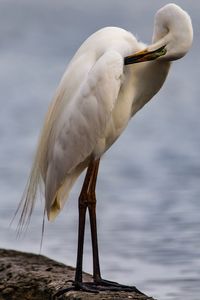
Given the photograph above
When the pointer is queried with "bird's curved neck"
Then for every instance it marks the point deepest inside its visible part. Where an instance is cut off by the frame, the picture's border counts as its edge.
(150, 78)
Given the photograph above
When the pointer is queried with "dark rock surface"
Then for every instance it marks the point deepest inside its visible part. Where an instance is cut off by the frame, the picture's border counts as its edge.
(26, 276)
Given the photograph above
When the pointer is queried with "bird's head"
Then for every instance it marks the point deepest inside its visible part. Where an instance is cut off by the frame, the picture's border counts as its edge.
(172, 37)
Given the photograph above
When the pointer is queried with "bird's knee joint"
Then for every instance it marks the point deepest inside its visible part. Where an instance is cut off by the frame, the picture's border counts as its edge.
(87, 200)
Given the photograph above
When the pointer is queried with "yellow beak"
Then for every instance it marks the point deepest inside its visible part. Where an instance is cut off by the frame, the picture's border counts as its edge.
(145, 55)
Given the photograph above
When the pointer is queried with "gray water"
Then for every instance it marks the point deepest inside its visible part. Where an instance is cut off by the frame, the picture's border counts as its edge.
(149, 182)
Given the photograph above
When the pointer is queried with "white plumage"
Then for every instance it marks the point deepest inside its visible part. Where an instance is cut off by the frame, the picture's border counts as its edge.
(95, 100)
(80, 131)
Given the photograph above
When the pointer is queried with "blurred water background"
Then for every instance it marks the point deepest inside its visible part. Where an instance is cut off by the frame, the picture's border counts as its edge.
(149, 181)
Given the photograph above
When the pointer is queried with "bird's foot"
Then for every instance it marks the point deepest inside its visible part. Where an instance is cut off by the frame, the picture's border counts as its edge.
(88, 287)
(96, 287)
(106, 285)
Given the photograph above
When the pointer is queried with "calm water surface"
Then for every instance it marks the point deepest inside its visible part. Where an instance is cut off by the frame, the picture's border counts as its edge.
(149, 182)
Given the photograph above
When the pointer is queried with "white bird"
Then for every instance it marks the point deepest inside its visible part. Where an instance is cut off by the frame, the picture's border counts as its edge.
(110, 78)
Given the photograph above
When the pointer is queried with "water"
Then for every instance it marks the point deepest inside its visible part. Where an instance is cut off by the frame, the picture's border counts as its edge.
(148, 188)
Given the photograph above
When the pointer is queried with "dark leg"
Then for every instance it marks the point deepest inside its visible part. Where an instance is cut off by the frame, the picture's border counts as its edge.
(83, 199)
(93, 223)
(87, 199)
(81, 233)
(98, 281)
(83, 204)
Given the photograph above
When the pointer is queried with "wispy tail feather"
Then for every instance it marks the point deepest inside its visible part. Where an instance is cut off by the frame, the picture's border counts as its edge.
(33, 187)
(35, 184)
(36, 179)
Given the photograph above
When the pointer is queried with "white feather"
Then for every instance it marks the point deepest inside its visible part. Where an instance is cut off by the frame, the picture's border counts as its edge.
(95, 100)
(81, 124)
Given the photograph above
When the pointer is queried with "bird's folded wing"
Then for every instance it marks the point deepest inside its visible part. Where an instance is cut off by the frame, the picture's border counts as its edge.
(84, 120)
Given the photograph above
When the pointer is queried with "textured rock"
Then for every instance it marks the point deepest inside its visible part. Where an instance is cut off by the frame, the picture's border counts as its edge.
(27, 276)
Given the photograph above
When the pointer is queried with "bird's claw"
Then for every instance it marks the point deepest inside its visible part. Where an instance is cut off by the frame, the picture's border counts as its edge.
(106, 285)
(96, 287)
(76, 286)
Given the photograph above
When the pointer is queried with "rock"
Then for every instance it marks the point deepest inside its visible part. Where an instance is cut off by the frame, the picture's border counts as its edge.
(26, 276)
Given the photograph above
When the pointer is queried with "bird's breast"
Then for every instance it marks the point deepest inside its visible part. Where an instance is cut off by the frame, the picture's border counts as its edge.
(119, 119)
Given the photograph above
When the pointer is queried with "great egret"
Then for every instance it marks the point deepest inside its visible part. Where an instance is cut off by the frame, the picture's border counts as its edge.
(99, 93)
